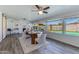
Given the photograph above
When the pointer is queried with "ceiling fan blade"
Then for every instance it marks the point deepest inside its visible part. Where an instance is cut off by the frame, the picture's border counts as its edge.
(34, 10)
(46, 8)
(45, 12)
(37, 7)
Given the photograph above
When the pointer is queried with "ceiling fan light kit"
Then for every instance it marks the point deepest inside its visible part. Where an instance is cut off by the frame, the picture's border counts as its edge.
(40, 12)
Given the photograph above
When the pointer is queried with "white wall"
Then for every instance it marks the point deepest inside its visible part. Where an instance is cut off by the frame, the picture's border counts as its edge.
(10, 23)
(4, 26)
(0, 26)
(21, 24)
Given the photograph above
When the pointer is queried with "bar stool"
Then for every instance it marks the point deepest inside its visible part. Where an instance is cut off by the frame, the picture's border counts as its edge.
(9, 30)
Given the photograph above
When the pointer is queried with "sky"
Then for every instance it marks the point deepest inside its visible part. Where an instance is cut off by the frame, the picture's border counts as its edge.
(54, 22)
(68, 20)
(71, 20)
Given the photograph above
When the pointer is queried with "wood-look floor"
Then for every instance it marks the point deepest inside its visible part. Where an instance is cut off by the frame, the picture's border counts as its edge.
(12, 45)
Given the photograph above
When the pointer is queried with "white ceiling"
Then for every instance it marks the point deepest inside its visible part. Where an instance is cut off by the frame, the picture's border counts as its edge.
(25, 11)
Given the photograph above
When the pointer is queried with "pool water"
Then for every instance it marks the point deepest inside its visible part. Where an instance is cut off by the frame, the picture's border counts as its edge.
(69, 33)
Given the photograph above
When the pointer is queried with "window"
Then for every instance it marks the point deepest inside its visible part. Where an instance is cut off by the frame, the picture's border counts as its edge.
(39, 27)
(55, 26)
(72, 26)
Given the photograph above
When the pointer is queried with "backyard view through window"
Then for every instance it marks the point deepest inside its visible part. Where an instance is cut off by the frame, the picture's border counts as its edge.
(72, 26)
(69, 26)
(55, 26)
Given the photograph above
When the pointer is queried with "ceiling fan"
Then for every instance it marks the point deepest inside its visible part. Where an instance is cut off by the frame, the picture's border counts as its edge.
(41, 10)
